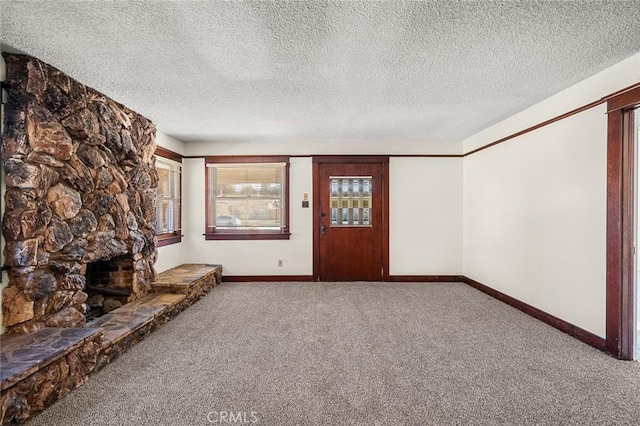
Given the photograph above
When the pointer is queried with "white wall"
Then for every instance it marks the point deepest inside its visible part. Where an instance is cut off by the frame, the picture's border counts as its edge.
(172, 255)
(535, 219)
(535, 206)
(425, 226)
(428, 242)
(251, 257)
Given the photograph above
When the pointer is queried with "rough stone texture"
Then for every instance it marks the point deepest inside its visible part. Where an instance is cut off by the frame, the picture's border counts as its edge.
(46, 134)
(40, 368)
(57, 236)
(80, 177)
(67, 318)
(192, 280)
(95, 301)
(16, 307)
(177, 289)
(43, 366)
(64, 201)
(111, 305)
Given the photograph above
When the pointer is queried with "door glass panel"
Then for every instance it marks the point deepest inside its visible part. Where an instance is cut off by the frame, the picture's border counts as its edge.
(350, 201)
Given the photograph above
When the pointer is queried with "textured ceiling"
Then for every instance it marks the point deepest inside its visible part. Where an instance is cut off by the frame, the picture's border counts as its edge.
(325, 71)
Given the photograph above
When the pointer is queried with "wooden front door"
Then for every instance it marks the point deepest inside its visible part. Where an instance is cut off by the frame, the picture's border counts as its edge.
(351, 220)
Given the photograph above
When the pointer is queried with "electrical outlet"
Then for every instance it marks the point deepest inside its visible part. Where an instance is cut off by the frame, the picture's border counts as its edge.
(280, 262)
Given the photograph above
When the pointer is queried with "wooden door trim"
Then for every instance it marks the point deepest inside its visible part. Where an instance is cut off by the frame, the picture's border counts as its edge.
(316, 219)
(385, 219)
(383, 160)
(620, 226)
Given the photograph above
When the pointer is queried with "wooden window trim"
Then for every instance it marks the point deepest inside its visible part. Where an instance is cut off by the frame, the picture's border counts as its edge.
(210, 231)
(620, 224)
(176, 236)
(168, 239)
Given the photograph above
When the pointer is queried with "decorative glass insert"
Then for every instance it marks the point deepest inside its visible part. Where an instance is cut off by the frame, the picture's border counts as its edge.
(350, 200)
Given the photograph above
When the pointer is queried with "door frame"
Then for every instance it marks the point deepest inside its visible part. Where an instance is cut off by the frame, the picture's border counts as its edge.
(620, 291)
(383, 160)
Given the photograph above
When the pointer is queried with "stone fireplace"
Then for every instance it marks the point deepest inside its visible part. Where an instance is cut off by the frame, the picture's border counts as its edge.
(80, 179)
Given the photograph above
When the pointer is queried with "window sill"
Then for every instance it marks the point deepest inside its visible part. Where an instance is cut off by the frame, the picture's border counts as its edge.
(239, 235)
(168, 239)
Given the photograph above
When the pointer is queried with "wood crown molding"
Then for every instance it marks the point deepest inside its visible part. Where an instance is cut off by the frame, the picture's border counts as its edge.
(350, 159)
(245, 159)
(619, 99)
(167, 153)
(616, 100)
(626, 98)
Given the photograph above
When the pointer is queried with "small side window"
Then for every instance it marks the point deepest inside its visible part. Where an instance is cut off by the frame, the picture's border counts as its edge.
(169, 197)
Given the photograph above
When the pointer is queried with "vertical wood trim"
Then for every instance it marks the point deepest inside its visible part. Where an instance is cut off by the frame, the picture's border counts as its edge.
(316, 220)
(206, 198)
(628, 240)
(620, 226)
(614, 231)
(385, 220)
(287, 196)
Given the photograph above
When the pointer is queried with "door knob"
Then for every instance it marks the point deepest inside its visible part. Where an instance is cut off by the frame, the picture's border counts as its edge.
(323, 229)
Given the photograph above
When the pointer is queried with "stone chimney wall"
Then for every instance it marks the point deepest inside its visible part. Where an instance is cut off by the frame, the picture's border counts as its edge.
(81, 179)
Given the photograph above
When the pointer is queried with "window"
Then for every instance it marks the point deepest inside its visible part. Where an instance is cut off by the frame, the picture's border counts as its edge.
(168, 197)
(247, 198)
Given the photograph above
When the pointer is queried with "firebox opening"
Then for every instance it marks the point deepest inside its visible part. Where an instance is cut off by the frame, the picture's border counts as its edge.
(109, 284)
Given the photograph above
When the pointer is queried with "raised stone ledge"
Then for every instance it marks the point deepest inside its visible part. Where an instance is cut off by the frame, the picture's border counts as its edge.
(183, 277)
(24, 354)
(191, 279)
(124, 327)
(41, 367)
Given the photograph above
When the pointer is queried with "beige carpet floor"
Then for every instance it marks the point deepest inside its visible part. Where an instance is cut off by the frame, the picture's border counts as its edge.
(355, 353)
